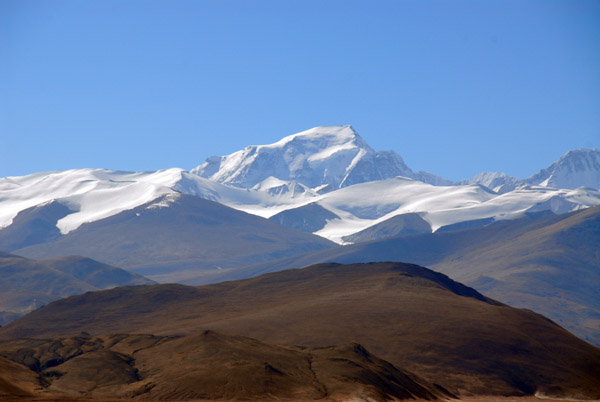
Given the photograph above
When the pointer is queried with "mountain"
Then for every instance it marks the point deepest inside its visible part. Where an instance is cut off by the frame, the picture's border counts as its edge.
(27, 284)
(325, 169)
(415, 318)
(544, 262)
(320, 164)
(180, 236)
(331, 157)
(67, 199)
(177, 236)
(576, 168)
(52, 212)
(209, 365)
(350, 210)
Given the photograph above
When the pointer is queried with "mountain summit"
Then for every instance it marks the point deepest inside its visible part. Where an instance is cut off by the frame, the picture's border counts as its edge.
(577, 168)
(328, 157)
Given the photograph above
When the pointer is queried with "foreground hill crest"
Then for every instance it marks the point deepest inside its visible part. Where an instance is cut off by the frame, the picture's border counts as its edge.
(416, 319)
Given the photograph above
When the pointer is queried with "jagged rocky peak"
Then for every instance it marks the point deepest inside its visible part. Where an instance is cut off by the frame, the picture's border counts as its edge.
(577, 168)
(333, 156)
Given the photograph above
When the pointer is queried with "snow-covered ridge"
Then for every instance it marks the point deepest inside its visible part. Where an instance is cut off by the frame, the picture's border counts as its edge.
(95, 194)
(577, 168)
(327, 169)
(333, 156)
(440, 205)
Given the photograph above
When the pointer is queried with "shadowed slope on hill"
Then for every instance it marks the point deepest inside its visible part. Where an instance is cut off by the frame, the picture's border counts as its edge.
(16, 380)
(33, 225)
(398, 225)
(27, 284)
(180, 235)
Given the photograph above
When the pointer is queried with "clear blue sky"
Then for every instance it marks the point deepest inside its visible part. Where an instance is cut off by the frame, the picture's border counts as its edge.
(455, 87)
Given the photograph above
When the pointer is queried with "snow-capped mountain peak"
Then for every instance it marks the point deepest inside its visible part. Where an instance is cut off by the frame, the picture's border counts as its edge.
(330, 170)
(328, 138)
(577, 168)
(334, 156)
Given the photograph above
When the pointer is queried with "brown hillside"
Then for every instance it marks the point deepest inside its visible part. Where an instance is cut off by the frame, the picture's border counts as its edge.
(212, 366)
(543, 262)
(16, 381)
(411, 316)
(27, 284)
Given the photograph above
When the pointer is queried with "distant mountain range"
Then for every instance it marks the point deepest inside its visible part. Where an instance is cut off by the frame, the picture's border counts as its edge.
(289, 199)
(576, 168)
(331, 169)
(333, 157)
(321, 159)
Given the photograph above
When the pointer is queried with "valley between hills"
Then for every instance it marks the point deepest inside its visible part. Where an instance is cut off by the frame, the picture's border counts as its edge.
(315, 268)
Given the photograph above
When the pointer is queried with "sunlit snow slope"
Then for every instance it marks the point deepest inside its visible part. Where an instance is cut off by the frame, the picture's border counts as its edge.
(440, 205)
(327, 180)
(322, 158)
(94, 194)
(576, 168)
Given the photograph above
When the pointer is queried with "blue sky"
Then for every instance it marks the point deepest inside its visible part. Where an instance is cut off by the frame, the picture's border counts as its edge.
(455, 87)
